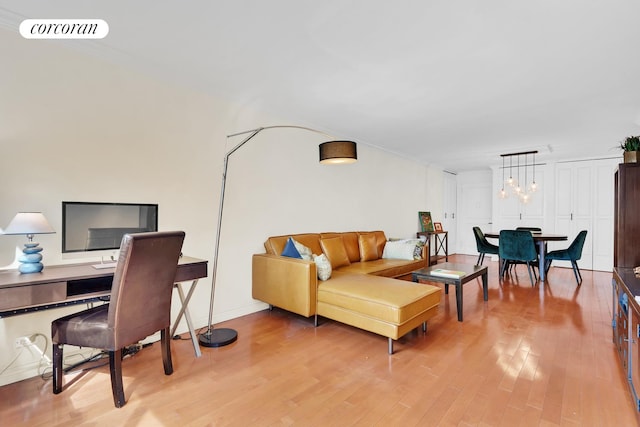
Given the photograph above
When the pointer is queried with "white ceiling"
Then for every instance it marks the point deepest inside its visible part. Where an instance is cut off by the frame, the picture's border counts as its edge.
(453, 83)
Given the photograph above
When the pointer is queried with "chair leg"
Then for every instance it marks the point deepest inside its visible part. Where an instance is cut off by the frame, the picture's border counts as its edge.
(479, 261)
(58, 373)
(530, 276)
(166, 351)
(547, 265)
(576, 272)
(115, 368)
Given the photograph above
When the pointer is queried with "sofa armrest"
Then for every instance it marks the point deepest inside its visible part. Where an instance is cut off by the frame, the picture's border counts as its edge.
(288, 283)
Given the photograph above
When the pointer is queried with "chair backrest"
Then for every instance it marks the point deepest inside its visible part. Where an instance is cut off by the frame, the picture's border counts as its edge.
(480, 239)
(575, 248)
(517, 245)
(142, 285)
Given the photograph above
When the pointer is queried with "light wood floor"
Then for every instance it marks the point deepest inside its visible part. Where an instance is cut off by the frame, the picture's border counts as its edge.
(533, 356)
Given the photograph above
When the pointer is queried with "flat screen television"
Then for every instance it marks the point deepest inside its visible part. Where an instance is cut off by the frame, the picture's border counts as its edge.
(94, 226)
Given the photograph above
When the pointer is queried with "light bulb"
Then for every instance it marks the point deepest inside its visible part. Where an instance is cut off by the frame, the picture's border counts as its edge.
(534, 187)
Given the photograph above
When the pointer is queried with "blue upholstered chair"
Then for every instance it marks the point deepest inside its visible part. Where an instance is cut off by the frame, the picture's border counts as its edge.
(573, 253)
(483, 245)
(517, 246)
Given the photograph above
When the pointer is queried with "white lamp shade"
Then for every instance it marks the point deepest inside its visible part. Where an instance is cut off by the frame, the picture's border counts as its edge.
(29, 223)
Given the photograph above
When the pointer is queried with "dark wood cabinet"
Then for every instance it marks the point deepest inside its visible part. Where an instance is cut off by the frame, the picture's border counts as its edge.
(626, 285)
(626, 327)
(626, 250)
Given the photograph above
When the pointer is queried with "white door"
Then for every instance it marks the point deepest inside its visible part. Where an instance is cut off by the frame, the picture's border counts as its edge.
(475, 198)
(584, 201)
(449, 202)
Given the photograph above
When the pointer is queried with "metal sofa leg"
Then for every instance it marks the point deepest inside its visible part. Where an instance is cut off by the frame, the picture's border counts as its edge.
(315, 320)
(390, 346)
(424, 327)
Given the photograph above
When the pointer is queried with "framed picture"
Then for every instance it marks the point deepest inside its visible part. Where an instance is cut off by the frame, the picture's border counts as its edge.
(437, 226)
(425, 221)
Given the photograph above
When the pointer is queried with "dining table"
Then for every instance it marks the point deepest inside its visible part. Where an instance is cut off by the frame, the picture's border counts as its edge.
(541, 239)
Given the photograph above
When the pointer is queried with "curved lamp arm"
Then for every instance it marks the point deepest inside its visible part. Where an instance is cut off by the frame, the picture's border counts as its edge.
(344, 152)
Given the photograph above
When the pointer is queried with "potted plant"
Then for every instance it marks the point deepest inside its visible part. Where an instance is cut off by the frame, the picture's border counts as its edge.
(630, 146)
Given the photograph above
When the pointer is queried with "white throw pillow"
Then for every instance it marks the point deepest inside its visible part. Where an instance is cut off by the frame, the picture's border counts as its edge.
(407, 249)
(304, 251)
(323, 266)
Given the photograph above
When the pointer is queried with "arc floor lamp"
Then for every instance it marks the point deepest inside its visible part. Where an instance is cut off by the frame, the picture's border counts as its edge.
(331, 152)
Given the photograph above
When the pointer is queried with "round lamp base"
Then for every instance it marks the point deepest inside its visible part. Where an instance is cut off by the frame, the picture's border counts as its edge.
(217, 337)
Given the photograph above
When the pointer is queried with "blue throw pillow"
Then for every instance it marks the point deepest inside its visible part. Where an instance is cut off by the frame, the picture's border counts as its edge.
(290, 250)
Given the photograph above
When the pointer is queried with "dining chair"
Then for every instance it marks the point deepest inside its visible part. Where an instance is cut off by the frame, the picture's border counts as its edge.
(573, 253)
(140, 305)
(517, 246)
(483, 245)
(535, 230)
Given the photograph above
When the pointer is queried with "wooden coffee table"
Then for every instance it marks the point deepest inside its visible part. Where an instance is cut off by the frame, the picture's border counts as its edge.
(469, 272)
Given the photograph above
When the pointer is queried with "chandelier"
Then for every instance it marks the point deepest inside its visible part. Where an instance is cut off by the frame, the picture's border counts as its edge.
(522, 184)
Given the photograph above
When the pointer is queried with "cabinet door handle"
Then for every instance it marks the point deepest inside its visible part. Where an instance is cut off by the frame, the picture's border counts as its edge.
(453, 216)
(445, 215)
(571, 216)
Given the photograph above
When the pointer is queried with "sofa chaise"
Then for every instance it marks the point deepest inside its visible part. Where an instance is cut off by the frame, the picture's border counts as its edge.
(365, 289)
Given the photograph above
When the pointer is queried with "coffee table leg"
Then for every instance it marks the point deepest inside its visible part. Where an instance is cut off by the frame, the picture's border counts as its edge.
(459, 300)
(485, 287)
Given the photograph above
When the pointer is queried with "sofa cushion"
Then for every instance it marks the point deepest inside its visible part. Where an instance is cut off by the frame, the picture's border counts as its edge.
(350, 240)
(368, 246)
(391, 300)
(290, 250)
(334, 249)
(385, 267)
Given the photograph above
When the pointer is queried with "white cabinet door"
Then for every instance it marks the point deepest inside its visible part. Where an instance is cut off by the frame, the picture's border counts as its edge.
(450, 208)
(603, 202)
(584, 201)
(574, 207)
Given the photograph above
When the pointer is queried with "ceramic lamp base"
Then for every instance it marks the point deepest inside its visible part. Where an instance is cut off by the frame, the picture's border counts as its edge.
(30, 262)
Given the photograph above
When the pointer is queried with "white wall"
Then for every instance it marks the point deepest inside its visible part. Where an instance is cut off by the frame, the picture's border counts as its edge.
(75, 128)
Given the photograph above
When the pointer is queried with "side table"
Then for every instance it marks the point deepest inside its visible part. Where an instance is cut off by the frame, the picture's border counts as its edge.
(441, 243)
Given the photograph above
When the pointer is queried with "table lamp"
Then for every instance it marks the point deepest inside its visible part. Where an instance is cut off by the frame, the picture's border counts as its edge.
(30, 223)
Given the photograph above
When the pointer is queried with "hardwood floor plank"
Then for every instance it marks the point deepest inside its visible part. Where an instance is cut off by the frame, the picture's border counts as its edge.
(530, 356)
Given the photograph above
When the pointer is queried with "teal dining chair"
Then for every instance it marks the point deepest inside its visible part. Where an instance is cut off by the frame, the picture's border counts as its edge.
(483, 245)
(573, 253)
(517, 247)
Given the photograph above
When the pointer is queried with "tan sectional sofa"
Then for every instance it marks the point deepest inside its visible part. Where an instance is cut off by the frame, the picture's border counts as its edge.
(364, 289)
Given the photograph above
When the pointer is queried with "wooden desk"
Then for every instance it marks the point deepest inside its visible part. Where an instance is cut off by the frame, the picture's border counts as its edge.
(540, 239)
(69, 284)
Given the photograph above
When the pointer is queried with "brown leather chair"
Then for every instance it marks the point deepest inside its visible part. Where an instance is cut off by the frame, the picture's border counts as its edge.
(140, 306)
